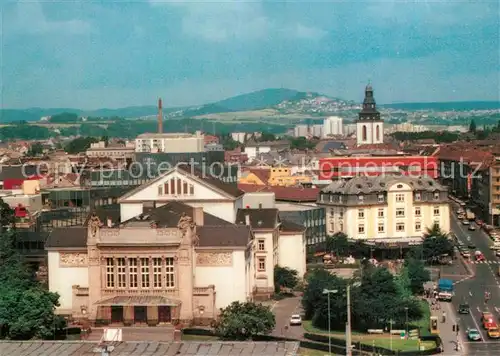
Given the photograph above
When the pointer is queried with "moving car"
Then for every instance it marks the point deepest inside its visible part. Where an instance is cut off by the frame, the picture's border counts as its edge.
(465, 222)
(464, 252)
(471, 245)
(464, 308)
(494, 333)
(472, 227)
(473, 335)
(487, 320)
(296, 320)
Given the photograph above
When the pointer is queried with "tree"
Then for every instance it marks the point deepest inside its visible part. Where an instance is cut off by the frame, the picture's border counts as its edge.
(472, 126)
(417, 274)
(240, 321)
(338, 244)
(26, 308)
(436, 243)
(80, 144)
(301, 143)
(35, 149)
(318, 280)
(284, 277)
(265, 137)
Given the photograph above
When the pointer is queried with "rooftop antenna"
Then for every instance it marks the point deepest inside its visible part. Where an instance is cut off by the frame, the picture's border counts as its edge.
(160, 117)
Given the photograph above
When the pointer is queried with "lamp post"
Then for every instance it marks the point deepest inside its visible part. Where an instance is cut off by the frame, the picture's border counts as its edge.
(327, 292)
(348, 325)
(406, 327)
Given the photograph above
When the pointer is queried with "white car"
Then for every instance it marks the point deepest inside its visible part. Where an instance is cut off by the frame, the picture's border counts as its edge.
(296, 320)
(466, 222)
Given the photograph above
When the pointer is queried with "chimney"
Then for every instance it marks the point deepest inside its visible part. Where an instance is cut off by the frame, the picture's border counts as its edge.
(247, 219)
(110, 222)
(198, 216)
(160, 116)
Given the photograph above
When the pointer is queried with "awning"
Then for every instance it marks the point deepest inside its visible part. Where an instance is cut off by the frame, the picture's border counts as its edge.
(147, 300)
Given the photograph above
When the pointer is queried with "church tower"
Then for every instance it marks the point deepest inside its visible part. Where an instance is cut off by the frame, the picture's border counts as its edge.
(369, 126)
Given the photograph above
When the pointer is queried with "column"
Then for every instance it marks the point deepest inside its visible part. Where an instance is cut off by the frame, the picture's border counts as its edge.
(152, 315)
(128, 315)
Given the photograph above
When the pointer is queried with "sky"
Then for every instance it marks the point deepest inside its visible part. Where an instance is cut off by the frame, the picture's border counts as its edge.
(113, 53)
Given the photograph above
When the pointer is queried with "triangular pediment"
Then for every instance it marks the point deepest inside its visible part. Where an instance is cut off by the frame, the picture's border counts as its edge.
(175, 185)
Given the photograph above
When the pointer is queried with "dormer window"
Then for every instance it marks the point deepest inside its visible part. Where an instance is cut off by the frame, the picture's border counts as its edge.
(361, 198)
(436, 195)
(418, 196)
(381, 198)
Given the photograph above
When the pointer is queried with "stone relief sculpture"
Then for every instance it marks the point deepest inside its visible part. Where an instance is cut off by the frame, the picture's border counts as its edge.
(214, 258)
(94, 224)
(73, 259)
(186, 222)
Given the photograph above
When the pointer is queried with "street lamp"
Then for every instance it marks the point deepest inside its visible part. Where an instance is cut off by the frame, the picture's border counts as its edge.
(327, 292)
(348, 325)
(406, 329)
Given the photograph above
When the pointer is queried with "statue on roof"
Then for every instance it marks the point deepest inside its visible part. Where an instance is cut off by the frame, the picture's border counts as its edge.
(186, 223)
(94, 224)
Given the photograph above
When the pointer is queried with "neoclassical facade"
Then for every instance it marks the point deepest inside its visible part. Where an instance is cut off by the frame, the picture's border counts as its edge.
(146, 271)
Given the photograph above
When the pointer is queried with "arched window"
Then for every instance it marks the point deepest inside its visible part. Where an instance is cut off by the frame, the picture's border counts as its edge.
(363, 134)
(378, 132)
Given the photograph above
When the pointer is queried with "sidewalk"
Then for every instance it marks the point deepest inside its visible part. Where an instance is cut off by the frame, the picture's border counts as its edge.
(448, 336)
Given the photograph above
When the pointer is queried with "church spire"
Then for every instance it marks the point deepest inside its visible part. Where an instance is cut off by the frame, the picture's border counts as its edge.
(369, 111)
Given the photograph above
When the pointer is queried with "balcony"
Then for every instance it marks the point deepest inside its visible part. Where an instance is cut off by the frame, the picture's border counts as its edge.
(139, 292)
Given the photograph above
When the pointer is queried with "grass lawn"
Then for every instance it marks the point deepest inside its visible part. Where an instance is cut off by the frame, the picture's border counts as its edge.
(310, 352)
(383, 340)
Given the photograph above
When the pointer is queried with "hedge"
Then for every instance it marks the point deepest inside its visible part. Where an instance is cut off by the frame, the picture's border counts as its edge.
(197, 331)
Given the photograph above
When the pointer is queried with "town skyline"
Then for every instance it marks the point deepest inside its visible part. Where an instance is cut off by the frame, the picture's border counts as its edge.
(93, 55)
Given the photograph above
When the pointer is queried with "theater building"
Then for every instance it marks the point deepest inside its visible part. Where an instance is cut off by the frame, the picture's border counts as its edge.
(174, 261)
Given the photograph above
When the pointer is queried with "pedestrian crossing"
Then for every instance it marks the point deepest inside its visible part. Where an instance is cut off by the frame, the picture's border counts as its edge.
(495, 262)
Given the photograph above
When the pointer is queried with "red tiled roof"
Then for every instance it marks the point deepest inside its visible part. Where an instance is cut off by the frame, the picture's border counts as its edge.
(295, 194)
(375, 146)
(262, 173)
(467, 153)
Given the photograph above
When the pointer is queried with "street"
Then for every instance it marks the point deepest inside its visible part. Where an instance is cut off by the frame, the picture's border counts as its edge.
(471, 290)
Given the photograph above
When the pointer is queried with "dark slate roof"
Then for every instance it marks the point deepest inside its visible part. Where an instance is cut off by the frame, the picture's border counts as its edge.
(104, 212)
(150, 348)
(259, 218)
(26, 235)
(168, 216)
(69, 237)
(289, 226)
(17, 172)
(224, 236)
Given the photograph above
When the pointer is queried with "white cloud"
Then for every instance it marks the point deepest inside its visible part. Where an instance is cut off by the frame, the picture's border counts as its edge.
(234, 19)
(29, 18)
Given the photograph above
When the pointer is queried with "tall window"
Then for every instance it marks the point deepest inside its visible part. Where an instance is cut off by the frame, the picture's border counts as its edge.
(160, 190)
(418, 226)
(400, 227)
(436, 211)
(361, 213)
(145, 272)
(380, 213)
(381, 227)
(261, 264)
(191, 189)
(361, 228)
(400, 212)
(157, 273)
(122, 282)
(400, 198)
(262, 245)
(184, 188)
(364, 134)
(378, 132)
(417, 211)
(110, 273)
(132, 272)
(169, 273)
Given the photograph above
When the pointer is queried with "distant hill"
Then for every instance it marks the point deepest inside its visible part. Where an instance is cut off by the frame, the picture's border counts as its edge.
(258, 100)
(446, 106)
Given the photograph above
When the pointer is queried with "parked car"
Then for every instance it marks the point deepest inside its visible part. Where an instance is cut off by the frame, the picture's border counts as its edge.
(473, 335)
(472, 227)
(465, 222)
(494, 333)
(296, 320)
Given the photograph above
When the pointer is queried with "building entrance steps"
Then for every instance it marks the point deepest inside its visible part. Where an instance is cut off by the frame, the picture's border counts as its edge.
(449, 337)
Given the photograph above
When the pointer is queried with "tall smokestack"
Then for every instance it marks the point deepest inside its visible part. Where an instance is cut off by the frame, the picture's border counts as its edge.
(160, 117)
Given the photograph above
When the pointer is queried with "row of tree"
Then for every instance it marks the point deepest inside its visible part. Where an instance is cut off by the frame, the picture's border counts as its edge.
(27, 308)
(377, 298)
